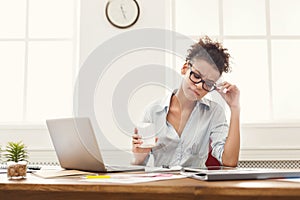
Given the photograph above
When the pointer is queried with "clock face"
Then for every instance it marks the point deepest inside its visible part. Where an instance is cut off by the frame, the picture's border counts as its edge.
(122, 13)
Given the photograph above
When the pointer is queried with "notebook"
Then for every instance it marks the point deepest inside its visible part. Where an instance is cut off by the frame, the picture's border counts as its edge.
(228, 173)
(76, 146)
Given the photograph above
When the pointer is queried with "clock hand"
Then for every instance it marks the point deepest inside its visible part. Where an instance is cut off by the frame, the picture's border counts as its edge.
(123, 12)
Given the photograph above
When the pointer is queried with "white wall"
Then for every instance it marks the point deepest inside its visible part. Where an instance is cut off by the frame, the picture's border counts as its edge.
(270, 142)
(94, 31)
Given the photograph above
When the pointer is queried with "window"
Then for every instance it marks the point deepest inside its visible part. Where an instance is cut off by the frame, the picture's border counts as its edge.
(38, 47)
(263, 38)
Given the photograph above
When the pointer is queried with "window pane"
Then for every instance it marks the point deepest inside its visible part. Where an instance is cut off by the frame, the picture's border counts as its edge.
(245, 17)
(197, 17)
(12, 18)
(285, 61)
(285, 17)
(51, 18)
(11, 81)
(250, 74)
(49, 80)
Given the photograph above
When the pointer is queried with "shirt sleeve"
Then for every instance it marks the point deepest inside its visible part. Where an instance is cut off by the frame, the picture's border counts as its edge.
(218, 133)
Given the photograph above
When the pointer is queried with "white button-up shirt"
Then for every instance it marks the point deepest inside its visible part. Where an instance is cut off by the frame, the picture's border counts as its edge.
(207, 125)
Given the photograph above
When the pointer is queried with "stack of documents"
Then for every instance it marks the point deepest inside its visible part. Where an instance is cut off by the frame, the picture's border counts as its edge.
(163, 169)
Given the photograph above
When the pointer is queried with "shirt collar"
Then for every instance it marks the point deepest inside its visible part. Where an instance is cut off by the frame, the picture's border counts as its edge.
(204, 101)
(165, 102)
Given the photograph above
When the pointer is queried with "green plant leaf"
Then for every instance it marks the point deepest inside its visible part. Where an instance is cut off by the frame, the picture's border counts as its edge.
(16, 151)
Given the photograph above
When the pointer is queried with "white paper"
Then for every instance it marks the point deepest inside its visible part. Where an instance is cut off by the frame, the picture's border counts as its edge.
(134, 178)
(162, 169)
(297, 180)
(59, 173)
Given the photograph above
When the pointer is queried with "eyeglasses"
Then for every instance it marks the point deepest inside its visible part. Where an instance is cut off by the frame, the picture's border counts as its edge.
(196, 78)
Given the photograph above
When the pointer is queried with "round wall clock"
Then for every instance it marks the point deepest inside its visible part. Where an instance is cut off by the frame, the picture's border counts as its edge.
(122, 13)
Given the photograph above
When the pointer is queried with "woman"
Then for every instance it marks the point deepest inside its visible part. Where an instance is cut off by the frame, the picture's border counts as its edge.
(190, 124)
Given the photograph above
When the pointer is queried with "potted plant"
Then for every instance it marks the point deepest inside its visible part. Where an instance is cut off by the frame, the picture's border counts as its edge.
(16, 155)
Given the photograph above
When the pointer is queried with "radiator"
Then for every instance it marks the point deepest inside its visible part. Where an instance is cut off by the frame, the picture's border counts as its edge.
(282, 164)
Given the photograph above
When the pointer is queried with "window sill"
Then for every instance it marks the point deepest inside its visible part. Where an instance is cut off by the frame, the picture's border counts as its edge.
(274, 124)
(27, 126)
(36, 126)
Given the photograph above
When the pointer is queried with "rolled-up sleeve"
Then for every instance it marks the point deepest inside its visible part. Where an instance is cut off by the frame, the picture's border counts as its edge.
(218, 133)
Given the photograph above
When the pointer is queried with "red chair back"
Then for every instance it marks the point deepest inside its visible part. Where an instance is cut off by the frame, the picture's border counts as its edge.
(211, 161)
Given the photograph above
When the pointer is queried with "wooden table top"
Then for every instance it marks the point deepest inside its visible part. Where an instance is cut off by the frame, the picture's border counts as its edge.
(36, 187)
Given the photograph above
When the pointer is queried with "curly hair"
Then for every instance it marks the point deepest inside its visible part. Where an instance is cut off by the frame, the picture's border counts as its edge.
(212, 52)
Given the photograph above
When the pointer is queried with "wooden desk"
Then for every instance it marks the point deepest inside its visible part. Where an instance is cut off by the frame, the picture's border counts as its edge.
(71, 188)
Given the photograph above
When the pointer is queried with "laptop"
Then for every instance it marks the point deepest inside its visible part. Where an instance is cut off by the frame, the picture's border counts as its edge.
(76, 146)
(232, 173)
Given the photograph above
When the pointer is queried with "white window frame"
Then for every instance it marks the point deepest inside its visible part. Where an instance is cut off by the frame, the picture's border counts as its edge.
(271, 140)
(35, 135)
(269, 38)
(24, 124)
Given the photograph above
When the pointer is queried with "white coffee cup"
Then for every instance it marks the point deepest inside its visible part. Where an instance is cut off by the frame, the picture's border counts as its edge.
(147, 132)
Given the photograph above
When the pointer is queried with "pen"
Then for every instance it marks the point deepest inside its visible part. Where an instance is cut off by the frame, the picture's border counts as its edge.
(97, 176)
